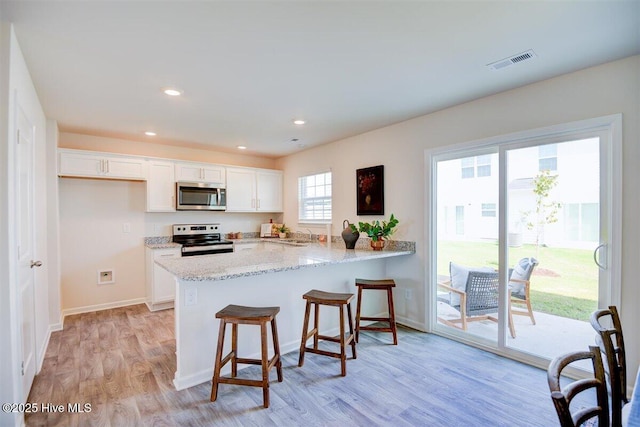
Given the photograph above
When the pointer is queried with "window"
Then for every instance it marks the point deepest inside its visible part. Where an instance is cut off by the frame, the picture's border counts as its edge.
(484, 165)
(548, 157)
(467, 167)
(489, 210)
(314, 198)
(476, 166)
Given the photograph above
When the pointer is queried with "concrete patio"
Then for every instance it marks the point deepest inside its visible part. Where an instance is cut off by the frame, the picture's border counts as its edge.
(548, 338)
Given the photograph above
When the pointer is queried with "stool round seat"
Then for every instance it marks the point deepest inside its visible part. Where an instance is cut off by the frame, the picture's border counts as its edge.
(316, 298)
(241, 315)
(386, 285)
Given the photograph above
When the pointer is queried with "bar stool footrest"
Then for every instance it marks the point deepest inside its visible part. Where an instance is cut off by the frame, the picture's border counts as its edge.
(377, 319)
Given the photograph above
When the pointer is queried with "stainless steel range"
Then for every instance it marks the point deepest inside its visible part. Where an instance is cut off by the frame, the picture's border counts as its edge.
(200, 239)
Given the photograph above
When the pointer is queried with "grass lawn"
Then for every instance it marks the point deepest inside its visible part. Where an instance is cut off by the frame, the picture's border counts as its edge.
(564, 283)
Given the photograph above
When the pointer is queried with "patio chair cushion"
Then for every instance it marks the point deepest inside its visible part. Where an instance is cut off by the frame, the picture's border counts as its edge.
(459, 274)
(522, 271)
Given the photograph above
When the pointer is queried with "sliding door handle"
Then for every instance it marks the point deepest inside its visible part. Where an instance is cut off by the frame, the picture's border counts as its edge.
(596, 252)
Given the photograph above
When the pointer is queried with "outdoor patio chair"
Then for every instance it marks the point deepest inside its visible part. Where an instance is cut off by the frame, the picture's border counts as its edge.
(611, 343)
(477, 301)
(519, 285)
(562, 396)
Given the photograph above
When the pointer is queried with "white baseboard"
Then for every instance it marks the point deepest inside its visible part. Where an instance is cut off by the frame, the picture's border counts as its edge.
(411, 324)
(99, 307)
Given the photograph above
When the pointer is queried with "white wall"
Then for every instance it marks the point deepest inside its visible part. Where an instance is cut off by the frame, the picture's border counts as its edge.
(598, 91)
(7, 373)
(53, 226)
(93, 212)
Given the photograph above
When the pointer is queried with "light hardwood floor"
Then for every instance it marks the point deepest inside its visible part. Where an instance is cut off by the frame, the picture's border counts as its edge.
(121, 361)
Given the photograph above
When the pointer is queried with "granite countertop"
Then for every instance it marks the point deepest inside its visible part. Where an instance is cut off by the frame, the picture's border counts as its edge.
(167, 245)
(269, 257)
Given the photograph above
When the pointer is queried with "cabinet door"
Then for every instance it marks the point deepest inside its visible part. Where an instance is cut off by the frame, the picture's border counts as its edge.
(161, 187)
(189, 172)
(241, 190)
(124, 167)
(164, 285)
(79, 164)
(269, 191)
(213, 174)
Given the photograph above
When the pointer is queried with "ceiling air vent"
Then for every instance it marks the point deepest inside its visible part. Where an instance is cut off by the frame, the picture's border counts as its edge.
(515, 59)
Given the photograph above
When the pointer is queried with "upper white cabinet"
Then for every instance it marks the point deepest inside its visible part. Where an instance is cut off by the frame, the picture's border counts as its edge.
(161, 186)
(254, 190)
(269, 191)
(200, 172)
(100, 165)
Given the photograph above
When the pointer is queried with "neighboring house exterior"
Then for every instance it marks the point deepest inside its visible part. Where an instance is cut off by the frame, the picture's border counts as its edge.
(468, 195)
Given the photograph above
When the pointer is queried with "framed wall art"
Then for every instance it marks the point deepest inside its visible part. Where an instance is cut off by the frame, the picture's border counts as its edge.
(370, 190)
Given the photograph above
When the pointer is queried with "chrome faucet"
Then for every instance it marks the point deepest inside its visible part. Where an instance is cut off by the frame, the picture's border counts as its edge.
(310, 234)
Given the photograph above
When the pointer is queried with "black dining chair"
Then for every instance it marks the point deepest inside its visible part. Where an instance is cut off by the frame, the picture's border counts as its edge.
(606, 323)
(562, 396)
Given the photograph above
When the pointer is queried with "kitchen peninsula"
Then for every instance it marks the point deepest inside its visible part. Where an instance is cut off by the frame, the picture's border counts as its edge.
(269, 274)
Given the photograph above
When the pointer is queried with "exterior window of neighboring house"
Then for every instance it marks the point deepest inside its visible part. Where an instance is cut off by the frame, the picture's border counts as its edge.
(548, 157)
(314, 198)
(489, 210)
(476, 166)
(581, 221)
(484, 165)
(468, 166)
(459, 220)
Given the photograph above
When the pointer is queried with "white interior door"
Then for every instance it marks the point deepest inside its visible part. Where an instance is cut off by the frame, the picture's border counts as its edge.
(24, 190)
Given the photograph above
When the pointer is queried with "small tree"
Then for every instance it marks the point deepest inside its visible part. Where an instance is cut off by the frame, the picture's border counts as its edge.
(546, 211)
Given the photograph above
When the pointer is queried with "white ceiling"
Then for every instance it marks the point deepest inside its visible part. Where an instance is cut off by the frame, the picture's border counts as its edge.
(248, 69)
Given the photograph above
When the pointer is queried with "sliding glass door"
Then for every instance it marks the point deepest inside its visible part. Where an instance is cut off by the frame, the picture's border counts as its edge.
(521, 234)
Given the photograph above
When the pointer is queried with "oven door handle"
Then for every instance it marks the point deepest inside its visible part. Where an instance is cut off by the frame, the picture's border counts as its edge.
(205, 248)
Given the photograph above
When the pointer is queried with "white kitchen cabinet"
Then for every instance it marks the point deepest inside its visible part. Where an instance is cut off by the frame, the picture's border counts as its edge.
(161, 286)
(269, 191)
(254, 190)
(100, 165)
(200, 172)
(161, 186)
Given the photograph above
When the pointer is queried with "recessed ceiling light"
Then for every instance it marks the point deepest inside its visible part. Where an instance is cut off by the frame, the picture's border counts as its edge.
(149, 133)
(172, 92)
(298, 122)
(241, 147)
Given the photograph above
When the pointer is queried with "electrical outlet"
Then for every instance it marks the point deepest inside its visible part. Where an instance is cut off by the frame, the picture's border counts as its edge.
(408, 294)
(190, 296)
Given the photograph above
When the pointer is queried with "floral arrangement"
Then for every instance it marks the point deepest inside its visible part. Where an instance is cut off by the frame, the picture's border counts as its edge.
(366, 182)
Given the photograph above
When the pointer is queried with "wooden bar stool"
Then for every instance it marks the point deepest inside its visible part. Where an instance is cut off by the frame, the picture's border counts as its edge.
(239, 315)
(380, 285)
(318, 298)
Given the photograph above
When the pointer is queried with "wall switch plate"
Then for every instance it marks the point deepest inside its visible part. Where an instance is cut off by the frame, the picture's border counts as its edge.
(408, 294)
(190, 296)
(126, 227)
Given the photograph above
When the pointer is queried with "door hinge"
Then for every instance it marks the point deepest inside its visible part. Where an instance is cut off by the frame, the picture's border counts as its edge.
(22, 367)
(18, 136)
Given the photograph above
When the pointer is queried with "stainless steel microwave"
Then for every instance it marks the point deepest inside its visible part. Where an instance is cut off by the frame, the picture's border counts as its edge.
(198, 196)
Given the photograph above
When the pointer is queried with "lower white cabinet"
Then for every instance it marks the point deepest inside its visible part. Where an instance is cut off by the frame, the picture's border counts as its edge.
(161, 286)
